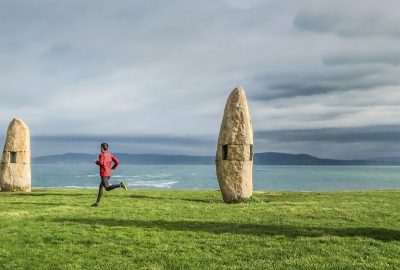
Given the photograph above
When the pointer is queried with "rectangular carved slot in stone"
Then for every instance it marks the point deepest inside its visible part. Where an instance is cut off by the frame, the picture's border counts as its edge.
(251, 152)
(13, 157)
(224, 152)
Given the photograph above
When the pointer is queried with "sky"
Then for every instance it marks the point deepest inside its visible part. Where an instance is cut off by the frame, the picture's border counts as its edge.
(321, 77)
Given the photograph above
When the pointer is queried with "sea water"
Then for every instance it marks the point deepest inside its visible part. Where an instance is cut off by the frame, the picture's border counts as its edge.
(203, 177)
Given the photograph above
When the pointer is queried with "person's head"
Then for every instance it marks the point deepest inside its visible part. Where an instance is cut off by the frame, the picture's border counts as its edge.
(104, 147)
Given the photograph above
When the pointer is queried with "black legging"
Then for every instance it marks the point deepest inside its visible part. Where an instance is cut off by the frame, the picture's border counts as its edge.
(104, 183)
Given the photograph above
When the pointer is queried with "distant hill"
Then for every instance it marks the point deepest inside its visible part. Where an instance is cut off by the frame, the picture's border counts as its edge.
(269, 158)
(272, 158)
(67, 158)
(395, 160)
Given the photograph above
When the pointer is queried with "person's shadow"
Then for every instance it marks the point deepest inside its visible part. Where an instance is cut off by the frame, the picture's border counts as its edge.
(207, 200)
(40, 194)
(291, 231)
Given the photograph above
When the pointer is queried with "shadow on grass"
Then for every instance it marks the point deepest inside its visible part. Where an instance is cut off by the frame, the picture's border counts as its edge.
(211, 200)
(32, 194)
(382, 234)
(35, 203)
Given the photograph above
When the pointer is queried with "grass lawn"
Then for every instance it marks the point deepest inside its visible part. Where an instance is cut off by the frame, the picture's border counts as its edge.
(57, 229)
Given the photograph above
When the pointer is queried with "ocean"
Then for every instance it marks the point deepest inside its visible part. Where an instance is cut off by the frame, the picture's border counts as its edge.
(202, 177)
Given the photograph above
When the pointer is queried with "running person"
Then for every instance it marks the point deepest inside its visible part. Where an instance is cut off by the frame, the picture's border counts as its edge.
(104, 162)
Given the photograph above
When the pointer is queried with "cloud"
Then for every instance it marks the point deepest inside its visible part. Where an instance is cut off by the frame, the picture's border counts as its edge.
(345, 109)
(322, 81)
(137, 69)
(370, 20)
(171, 140)
(337, 135)
(357, 58)
(144, 144)
(358, 142)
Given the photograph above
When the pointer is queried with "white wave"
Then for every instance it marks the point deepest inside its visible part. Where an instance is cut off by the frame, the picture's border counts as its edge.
(158, 184)
(97, 175)
(148, 176)
(131, 183)
(161, 175)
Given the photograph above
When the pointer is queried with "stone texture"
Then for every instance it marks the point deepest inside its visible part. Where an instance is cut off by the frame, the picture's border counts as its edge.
(234, 158)
(15, 167)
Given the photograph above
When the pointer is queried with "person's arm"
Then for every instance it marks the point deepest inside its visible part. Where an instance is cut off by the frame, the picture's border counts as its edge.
(116, 162)
(100, 161)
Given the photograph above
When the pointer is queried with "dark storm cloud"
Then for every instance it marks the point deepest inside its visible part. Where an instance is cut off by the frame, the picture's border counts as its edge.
(322, 81)
(168, 140)
(44, 145)
(348, 24)
(357, 58)
(385, 134)
(367, 142)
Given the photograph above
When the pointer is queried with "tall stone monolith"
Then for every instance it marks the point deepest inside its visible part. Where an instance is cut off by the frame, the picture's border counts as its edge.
(15, 167)
(234, 158)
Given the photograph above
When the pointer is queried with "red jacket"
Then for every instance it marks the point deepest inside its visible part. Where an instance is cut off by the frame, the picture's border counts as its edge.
(104, 163)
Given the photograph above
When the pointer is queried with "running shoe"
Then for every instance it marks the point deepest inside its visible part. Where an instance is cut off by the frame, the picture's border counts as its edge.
(123, 185)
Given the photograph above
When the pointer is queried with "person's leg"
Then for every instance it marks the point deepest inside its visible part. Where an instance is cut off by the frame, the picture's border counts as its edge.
(101, 187)
(100, 194)
(107, 185)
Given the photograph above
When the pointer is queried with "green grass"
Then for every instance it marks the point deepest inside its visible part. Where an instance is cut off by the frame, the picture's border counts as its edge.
(57, 229)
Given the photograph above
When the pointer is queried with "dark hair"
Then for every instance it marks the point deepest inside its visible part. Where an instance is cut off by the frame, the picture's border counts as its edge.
(104, 146)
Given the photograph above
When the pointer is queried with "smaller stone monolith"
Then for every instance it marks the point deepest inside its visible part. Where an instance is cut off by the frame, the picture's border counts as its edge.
(234, 158)
(15, 167)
